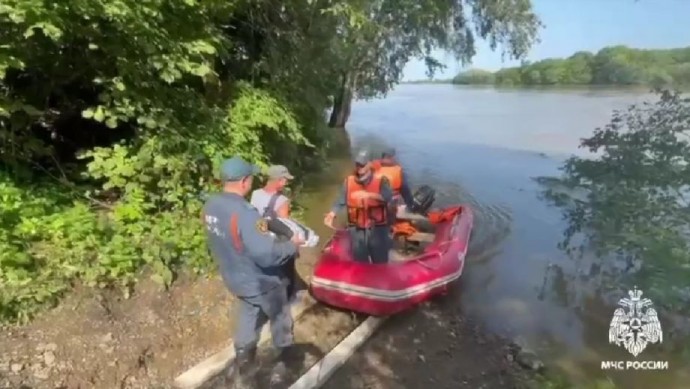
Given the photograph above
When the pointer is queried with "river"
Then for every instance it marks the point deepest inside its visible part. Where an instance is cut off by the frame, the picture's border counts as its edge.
(484, 147)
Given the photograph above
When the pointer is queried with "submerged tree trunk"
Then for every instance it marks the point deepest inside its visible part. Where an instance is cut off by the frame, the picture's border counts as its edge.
(342, 103)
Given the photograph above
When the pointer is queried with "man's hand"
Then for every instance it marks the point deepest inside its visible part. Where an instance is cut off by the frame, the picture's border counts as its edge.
(328, 219)
(297, 240)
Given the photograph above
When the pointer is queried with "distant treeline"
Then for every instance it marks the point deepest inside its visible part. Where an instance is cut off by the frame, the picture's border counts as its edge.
(427, 81)
(617, 65)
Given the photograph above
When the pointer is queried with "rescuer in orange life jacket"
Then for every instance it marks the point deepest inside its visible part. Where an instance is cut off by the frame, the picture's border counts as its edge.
(389, 167)
(367, 197)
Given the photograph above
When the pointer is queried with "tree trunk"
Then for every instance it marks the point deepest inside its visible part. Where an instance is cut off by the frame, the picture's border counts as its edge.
(342, 103)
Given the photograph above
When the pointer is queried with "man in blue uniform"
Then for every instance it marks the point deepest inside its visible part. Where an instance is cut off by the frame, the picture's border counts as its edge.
(367, 198)
(250, 262)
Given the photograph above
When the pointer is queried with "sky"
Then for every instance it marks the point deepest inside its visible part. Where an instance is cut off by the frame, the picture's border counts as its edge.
(576, 25)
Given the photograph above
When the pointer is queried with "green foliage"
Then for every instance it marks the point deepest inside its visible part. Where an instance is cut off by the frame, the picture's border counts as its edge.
(617, 65)
(114, 116)
(49, 240)
(474, 77)
(631, 200)
(382, 36)
(390, 33)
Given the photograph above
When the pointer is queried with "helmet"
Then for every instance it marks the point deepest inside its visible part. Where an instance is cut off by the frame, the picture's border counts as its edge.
(388, 152)
(363, 157)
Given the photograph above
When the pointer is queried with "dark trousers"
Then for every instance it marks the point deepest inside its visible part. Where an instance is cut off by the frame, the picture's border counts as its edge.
(373, 243)
(255, 311)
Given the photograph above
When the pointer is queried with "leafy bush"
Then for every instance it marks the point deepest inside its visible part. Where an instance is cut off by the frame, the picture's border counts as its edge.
(112, 118)
(632, 199)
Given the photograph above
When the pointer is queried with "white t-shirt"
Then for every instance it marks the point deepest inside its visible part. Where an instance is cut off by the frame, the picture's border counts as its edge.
(260, 199)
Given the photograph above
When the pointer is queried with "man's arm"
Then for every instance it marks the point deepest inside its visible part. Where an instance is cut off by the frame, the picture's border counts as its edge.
(405, 192)
(386, 192)
(259, 245)
(279, 228)
(284, 209)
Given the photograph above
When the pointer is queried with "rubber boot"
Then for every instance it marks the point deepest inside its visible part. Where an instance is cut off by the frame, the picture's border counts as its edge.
(245, 371)
(288, 359)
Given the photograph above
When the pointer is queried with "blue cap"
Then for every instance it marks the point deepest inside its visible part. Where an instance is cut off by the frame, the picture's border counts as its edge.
(236, 168)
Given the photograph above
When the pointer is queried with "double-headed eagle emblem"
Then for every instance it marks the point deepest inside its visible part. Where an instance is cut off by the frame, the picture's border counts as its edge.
(637, 326)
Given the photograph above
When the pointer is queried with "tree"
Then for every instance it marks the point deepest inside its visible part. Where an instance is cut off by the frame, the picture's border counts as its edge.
(474, 77)
(382, 36)
(579, 68)
(115, 115)
(553, 71)
(509, 77)
(616, 65)
(632, 199)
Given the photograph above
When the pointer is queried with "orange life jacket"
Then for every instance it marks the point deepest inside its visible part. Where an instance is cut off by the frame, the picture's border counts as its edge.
(394, 175)
(404, 228)
(443, 215)
(365, 213)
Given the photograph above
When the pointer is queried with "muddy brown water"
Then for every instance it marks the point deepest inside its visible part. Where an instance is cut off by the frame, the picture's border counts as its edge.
(484, 147)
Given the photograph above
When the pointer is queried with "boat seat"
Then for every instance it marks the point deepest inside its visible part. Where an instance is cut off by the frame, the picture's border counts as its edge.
(404, 214)
(397, 256)
(422, 237)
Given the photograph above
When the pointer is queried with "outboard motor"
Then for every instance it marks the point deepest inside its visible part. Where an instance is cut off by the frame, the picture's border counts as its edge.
(424, 198)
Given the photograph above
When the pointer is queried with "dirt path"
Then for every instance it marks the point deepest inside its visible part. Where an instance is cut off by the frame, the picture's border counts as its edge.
(316, 333)
(101, 341)
(434, 346)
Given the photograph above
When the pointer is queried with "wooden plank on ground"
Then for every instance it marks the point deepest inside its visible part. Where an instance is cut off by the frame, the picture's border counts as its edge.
(216, 363)
(319, 374)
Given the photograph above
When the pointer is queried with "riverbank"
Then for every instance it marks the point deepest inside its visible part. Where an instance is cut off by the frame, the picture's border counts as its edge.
(99, 340)
(441, 346)
(437, 345)
(96, 338)
(612, 65)
(555, 88)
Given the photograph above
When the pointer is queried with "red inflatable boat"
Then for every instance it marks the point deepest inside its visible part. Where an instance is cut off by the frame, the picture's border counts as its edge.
(385, 289)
